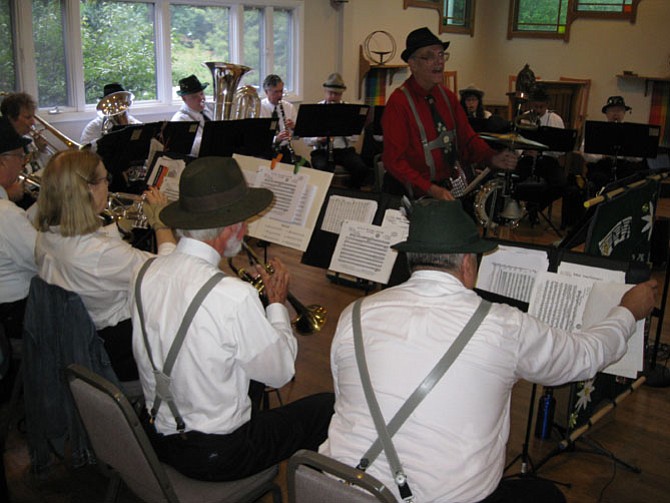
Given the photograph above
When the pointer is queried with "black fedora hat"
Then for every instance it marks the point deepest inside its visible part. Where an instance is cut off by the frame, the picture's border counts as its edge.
(9, 138)
(538, 93)
(112, 88)
(421, 37)
(615, 101)
(437, 226)
(213, 193)
(190, 85)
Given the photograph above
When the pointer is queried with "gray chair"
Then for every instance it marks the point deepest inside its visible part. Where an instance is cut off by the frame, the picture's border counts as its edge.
(119, 440)
(315, 477)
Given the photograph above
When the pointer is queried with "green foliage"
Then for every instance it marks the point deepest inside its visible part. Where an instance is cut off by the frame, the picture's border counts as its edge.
(118, 46)
(253, 44)
(282, 45)
(49, 44)
(542, 15)
(7, 71)
(198, 35)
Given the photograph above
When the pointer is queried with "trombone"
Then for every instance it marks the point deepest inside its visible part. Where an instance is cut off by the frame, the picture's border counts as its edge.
(62, 137)
(309, 319)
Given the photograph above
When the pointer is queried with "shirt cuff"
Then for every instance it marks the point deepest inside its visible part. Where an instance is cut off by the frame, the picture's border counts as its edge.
(277, 313)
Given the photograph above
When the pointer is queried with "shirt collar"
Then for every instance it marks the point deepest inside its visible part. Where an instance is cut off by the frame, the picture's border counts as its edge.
(415, 88)
(198, 249)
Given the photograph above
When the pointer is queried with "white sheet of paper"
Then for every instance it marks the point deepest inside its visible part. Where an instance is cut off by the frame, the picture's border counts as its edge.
(559, 300)
(395, 218)
(363, 250)
(511, 271)
(289, 191)
(296, 233)
(604, 296)
(592, 273)
(342, 208)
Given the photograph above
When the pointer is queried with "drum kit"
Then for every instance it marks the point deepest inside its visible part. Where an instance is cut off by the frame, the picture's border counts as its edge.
(495, 203)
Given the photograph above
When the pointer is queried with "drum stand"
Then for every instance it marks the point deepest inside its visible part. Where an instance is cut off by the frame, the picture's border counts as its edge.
(532, 208)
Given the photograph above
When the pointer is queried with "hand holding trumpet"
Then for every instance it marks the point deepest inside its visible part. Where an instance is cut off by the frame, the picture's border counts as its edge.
(276, 284)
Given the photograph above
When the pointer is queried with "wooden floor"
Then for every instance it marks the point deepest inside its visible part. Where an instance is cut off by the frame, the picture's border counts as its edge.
(636, 431)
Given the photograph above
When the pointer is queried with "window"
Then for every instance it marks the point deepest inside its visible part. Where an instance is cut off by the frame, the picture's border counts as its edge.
(552, 18)
(7, 71)
(612, 9)
(456, 16)
(539, 18)
(71, 48)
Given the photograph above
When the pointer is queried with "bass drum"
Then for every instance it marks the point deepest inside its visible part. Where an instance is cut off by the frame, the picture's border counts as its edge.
(493, 208)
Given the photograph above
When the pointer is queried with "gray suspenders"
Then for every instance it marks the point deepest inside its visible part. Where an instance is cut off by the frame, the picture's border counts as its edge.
(162, 377)
(438, 142)
(384, 431)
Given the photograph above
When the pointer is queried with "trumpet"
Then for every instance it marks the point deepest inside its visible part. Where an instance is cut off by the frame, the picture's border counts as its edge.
(309, 319)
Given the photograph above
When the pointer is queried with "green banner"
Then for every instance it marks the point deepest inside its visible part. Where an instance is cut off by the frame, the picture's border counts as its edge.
(621, 227)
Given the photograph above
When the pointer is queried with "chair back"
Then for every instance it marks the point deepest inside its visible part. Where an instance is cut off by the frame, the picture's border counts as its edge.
(315, 477)
(117, 436)
(451, 80)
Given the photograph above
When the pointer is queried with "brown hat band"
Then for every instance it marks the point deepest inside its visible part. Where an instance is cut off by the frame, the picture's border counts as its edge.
(211, 202)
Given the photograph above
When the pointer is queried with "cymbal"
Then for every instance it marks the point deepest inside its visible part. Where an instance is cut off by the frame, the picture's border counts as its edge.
(513, 141)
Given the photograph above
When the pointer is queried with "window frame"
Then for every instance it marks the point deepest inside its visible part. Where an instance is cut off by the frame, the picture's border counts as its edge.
(26, 71)
(572, 14)
(468, 29)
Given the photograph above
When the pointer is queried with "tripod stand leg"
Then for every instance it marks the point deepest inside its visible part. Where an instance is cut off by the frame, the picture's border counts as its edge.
(595, 448)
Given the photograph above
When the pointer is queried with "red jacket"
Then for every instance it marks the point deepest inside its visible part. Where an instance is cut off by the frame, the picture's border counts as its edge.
(403, 154)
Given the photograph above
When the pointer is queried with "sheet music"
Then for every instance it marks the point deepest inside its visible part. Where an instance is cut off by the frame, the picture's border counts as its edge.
(166, 175)
(342, 208)
(559, 300)
(297, 232)
(511, 271)
(364, 250)
(590, 272)
(289, 190)
(604, 296)
(395, 217)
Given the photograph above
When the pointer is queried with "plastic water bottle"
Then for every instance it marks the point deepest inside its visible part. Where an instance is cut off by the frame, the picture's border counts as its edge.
(545, 414)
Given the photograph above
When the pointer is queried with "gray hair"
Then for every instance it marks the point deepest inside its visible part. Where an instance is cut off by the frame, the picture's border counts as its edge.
(199, 234)
(450, 262)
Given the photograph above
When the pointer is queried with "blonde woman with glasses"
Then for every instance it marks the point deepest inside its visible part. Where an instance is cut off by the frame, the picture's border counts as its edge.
(76, 252)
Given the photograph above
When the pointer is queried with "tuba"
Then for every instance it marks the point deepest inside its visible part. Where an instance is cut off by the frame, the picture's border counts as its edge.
(229, 101)
(112, 106)
(309, 319)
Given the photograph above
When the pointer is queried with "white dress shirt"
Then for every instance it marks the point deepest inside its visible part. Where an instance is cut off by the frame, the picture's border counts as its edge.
(93, 130)
(97, 266)
(289, 111)
(187, 114)
(17, 251)
(229, 342)
(453, 445)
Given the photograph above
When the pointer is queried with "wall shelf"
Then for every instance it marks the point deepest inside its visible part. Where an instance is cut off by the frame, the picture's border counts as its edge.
(647, 80)
(364, 67)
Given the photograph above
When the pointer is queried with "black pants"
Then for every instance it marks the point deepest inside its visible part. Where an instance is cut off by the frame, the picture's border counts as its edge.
(348, 159)
(525, 490)
(118, 342)
(11, 317)
(269, 437)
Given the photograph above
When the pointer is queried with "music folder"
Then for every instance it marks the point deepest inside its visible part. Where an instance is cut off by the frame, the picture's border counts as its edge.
(621, 139)
(557, 139)
(251, 137)
(177, 136)
(337, 119)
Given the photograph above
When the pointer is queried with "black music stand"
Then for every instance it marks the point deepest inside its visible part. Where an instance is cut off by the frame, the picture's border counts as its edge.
(252, 137)
(337, 119)
(177, 136)
(535, 192)
(621, 139)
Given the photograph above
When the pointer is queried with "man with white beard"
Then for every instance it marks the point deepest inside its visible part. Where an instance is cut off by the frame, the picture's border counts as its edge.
(201, 419)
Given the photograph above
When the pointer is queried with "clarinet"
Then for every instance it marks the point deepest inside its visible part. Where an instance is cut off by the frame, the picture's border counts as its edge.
(282, 119)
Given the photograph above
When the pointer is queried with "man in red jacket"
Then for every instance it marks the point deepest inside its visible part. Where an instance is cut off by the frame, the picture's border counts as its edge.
(426, 133)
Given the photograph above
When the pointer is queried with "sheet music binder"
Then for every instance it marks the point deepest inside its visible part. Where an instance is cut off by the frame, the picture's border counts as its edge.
(252, 137)
(322, 243)
(621, 139)
(338, 119)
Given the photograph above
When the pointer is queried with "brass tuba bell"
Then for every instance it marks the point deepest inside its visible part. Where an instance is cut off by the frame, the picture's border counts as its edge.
(229, 101)
(112, 106)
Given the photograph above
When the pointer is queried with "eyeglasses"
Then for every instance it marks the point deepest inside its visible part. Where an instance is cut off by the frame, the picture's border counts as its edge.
(25, 158)
(96, 181)
(432, 58)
